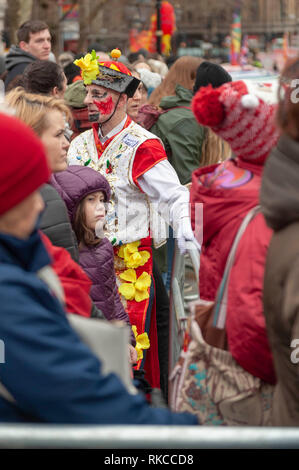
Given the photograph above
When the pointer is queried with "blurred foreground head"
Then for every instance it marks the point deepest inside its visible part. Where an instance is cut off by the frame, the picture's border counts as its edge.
(24, 165)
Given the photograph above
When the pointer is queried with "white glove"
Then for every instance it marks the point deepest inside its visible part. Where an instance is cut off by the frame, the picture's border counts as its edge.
(185, 234)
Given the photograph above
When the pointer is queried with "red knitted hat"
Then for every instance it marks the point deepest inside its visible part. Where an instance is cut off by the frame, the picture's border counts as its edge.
(238, 115)
(24, 166)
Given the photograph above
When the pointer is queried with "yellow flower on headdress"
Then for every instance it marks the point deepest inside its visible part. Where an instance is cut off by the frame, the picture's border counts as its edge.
(132, 257)
(134, 289)
(89, 67)
(142, 342)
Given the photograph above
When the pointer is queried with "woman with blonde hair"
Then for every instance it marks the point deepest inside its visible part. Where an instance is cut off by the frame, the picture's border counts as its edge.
(214, 149)
(47, 116)
(43, 113)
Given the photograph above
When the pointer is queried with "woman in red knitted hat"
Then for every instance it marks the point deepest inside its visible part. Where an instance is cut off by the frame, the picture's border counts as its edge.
(228, 191)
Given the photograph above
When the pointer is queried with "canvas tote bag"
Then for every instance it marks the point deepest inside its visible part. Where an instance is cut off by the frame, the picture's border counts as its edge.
(207, 381)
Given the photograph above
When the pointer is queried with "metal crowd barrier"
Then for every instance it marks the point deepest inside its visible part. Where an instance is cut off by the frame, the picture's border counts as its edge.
(28, 436)
(178, 314)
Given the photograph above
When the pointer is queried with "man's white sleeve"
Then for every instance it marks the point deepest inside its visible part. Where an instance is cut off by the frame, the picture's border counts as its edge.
(171, 199)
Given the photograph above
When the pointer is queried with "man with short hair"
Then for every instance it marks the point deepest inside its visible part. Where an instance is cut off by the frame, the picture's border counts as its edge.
(34, 43)
(45, 77)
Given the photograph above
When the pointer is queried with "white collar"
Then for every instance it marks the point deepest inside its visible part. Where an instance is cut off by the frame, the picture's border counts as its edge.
(113, 132)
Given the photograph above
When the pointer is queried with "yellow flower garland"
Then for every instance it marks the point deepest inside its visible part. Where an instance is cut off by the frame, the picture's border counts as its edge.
(132, 257)
(135, 289)
(142, 342)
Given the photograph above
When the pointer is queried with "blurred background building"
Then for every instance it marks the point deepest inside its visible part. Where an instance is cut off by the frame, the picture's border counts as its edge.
(200, 24)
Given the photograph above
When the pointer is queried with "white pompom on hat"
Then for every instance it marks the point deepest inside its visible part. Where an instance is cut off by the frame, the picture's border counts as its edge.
(250, 101)
(150, 79)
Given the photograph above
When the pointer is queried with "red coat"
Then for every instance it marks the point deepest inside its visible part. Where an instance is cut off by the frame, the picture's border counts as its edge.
(76, 284)
(228, 192)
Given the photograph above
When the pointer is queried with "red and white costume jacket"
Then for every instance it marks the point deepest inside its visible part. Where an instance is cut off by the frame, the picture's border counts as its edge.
(135, 164)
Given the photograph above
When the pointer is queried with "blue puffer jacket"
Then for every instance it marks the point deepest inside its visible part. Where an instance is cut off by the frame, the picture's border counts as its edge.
(52, 375)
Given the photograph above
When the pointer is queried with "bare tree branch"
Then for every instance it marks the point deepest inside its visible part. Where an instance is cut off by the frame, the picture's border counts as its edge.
(86, 16)
(95, 10)
(12, 18)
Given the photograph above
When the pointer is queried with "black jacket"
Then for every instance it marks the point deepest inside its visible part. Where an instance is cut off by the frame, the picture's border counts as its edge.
(55, 222)
(56, 225)
(15, 62)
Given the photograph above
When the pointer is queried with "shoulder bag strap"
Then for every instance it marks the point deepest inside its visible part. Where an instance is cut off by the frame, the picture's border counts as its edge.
(221, 298)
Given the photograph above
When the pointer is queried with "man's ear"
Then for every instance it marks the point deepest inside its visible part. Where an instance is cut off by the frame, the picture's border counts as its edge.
(55, 91)
(123, 100)
(24, 46)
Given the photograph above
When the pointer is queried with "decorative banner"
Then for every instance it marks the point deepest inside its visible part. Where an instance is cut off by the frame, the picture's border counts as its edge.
(244, 51)
(236, 37)
(147, 39)
(69, 10)
(168, 26)
(141, 40)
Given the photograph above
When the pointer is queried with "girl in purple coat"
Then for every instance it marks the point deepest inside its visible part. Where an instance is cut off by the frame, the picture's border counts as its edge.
(85, 193)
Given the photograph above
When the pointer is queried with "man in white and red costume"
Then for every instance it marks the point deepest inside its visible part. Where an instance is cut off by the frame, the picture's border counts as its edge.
(136, 167)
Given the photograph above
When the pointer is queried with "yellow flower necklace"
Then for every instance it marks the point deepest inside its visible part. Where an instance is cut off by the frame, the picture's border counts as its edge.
(142, 342)
(135, 289)
(131, 256)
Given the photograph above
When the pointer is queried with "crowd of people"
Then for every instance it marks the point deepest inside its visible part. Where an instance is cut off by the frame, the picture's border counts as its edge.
(103, 164)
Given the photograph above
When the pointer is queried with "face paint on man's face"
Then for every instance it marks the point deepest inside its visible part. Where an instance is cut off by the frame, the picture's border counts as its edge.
(94, 117)
(105, 107)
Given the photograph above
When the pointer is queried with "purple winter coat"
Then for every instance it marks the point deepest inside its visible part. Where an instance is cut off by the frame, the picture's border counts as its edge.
(73, 185)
